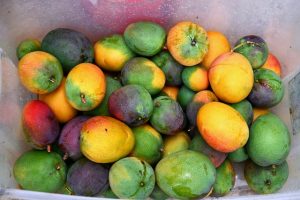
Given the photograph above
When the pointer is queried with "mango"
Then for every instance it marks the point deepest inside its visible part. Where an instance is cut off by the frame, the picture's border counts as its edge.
(40, 171)
(145, 38)
(70, 47)
(27, 46)
(185, 175)
(131, 104)
(187, 43)
(131, 178)
(222, 127)
(39, 124)
(105, 139)
(231, 77)
(87, 178)
(168, 117)
(40, 72)
(269, 141)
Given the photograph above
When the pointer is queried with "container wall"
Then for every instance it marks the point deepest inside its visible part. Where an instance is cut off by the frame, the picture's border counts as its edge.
(278, 22)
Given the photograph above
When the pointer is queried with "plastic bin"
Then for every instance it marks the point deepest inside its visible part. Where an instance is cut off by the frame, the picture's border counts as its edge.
(278, 22)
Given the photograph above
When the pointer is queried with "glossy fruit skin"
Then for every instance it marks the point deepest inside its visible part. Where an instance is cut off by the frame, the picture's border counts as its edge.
(168, 117)
(187, 43)
(254, 48)
(171, 68)
(145, 38)
(27, 46)
(85, 86)
(158, 194)
(268, 89)
(198, 144)
(244, 107)
(86, 178)
(222, 127)
(111, 53)
(142, 71)
(231, 77)
(225, 179)
(40, 171)
(185, 175)
(269, 141)
(266, 180)
(39, 124)
(131, 104)
(70, 47)
(131, 178)
(40, 72)
(105, 139)
(69, 139)
(148, 144)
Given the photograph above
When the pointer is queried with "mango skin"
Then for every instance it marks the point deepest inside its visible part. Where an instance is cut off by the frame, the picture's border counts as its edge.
(185, 96)
(254, 48)
(70, 47)
(218, 44)
(187, 43)
(40, 171)
(168, 117)
(225, 179)
(198, 144)
(87, 178)
(148, 144)
(39, 124)
(105, 139)
(112, 84)
(231, 77)
(111, 53)
(222, 127)
(27, 46)
(238, 155)
(266, 180)
(145, 38)
(69, 138)
(269, 141)
(185, 175)
(40, 72)
(268, 89)
(171, 68)
(131, 178)
(142, 71)
(131, 104)
(244, 107)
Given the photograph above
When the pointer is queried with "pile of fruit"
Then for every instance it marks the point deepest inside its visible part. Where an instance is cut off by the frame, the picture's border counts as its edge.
(150, 113)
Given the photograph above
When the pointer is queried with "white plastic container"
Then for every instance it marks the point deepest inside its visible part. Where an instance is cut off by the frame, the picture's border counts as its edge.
(278, 22)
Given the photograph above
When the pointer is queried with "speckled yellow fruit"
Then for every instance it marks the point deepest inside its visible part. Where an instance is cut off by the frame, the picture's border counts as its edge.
(174, 143)
(85, 86)
(231, 77)
(259, 111)
(218, 45)
(104, 139)
(171, 91)
(57, 101)
(222, 127)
